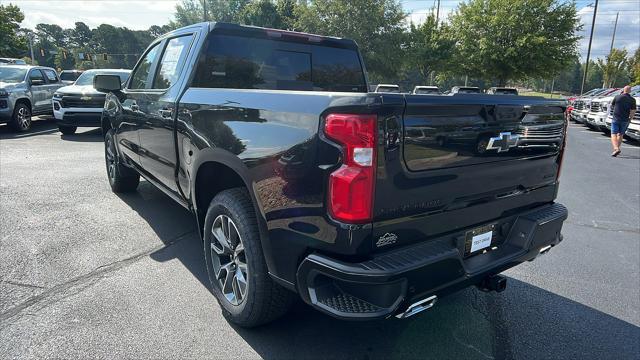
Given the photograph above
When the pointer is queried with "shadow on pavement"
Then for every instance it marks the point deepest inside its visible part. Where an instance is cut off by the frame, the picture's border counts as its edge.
(173, 224)
(93, 135)
(39, 126)
(524, 322)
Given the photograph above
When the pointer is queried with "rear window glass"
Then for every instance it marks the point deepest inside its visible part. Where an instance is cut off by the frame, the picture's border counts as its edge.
(68, 76)
(51, 75)
(469, 91)
(506, 91)
(427, 91)
(252, 63)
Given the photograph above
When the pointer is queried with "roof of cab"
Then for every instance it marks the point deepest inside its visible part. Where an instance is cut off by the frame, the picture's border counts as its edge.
(261, 32)
(28, 67)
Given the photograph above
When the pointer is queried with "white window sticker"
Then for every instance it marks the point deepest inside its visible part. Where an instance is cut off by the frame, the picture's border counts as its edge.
(481, 241)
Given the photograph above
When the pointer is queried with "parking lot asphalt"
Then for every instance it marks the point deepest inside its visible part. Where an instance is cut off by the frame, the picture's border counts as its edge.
(85, 273)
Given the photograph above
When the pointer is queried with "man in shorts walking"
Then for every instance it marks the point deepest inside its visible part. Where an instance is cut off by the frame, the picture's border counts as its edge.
(624, 107)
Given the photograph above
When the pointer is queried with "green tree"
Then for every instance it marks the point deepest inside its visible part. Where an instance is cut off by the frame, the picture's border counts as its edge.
(156, 31)
(430, 47)
(262, 13)
(64, 63)
(53, 34)
(613, 66)
(80, 36)
(11, 44)
(190, 11)
(376, 25)
(503, 40)
(634, 67)
(595, 77)
(287, 11)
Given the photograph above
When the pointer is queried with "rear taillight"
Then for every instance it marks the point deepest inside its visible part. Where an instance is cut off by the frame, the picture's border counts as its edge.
(351, 186)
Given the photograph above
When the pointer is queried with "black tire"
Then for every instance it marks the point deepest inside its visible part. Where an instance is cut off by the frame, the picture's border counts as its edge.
(121, 178)
(21, 119)
(67, 130)
(264, 300)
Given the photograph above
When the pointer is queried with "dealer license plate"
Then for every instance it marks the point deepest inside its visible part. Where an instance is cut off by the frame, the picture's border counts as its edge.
(478, 239)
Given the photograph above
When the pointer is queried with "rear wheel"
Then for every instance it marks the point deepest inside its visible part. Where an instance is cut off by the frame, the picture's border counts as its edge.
(235, 263)
(121, 178)
(21, 120)
(67, 130)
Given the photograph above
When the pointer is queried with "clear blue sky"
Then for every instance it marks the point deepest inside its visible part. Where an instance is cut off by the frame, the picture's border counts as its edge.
(141, 14)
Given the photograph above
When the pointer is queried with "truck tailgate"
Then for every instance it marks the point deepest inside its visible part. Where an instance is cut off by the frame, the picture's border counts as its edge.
(462, 161)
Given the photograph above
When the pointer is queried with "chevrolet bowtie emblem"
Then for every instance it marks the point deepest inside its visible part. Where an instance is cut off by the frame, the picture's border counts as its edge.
(503, 142)
(85, 98)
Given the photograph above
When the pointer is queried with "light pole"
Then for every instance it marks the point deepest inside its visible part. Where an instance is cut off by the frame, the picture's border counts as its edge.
(586, 65)
(204, 10)
(30, 37)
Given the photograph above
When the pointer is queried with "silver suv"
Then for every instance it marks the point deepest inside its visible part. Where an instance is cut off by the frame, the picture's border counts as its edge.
(26, 90)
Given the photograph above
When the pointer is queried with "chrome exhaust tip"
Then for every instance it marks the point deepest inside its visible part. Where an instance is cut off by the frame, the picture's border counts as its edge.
(545, 249)
(418, 307)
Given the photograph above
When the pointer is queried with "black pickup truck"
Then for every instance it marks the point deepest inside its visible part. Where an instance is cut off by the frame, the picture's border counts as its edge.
(367, 205)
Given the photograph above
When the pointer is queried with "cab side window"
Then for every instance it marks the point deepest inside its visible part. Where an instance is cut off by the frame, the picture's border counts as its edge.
(36, 75)
(172, 62)
(51, 76)
(140, 77)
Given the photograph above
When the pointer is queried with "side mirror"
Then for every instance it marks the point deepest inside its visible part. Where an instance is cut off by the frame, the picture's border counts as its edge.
(107, 83)
(37, 82)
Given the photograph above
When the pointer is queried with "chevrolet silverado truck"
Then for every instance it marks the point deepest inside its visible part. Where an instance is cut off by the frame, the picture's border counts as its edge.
(303, 182)
(79, 104)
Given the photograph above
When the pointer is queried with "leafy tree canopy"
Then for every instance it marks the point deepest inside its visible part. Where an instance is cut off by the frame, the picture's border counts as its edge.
(378, 26)
(430, 47)
(515, 39)
(11, 44)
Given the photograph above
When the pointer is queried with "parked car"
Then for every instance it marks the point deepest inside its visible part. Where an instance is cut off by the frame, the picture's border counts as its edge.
(426, 90)
(502, 91)
(571, 101)
(598, 109)
(465, 90)
(582, 105)
(25, 91)
(12, 61)
(387, 88)
(68, 77)
(320, 191)
(633, 131)
(80, 104)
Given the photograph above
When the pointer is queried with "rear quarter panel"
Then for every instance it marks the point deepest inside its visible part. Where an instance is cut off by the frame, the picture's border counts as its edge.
(271, 138)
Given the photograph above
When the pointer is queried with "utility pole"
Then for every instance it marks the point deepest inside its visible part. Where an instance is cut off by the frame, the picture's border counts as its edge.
(30, 37)
(438, 13)
(613, 38)
(586, 65)
(204, 10)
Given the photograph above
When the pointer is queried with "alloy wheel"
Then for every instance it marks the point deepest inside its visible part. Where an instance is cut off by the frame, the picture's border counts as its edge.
(24, 118)
(110, 157)
(229, 260)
